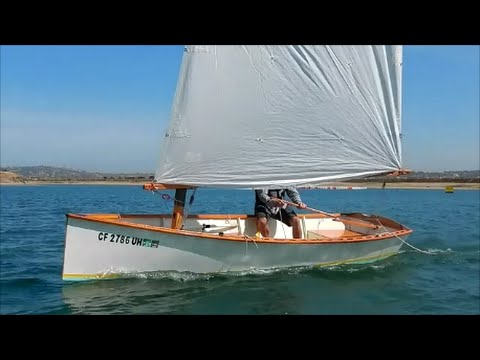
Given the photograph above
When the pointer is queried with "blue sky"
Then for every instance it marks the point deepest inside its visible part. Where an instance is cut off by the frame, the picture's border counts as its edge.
(105, 108)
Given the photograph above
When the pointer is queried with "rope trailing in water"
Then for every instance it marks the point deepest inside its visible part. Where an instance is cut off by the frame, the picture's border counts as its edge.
(248, 238)
(406, 243)
(413, 247)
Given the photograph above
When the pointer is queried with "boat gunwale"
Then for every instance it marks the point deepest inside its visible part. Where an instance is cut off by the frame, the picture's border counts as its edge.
(116, 219)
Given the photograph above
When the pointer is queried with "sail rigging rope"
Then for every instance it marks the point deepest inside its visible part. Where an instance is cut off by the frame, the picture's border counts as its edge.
(247, 238)
(187, 208)
(397, 173)
(413, 247)
(337, 215)
(406, 243)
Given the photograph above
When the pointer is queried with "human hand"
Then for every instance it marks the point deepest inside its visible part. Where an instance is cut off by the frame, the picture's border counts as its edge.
(278, 202)
(302, 205)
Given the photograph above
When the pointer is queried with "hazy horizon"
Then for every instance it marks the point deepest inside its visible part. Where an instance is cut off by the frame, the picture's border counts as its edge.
(153, 171)
(105, 108)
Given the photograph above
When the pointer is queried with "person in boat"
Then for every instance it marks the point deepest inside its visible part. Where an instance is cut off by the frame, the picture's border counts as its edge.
(270, 203)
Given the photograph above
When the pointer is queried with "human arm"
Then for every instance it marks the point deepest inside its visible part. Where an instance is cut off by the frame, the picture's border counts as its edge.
(267, 200)
(294, 195)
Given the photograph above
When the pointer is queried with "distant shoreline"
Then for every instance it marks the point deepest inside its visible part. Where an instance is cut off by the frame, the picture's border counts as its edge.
(28, 183)
(341, 186)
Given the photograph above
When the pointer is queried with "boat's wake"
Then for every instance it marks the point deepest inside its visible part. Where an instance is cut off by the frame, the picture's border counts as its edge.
(178, 276)
(188, 276)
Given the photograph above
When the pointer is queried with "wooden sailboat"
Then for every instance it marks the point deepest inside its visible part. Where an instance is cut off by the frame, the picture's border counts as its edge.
(260, 117)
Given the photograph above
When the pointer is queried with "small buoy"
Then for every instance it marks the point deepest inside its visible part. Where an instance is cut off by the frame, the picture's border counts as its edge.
(449, 189)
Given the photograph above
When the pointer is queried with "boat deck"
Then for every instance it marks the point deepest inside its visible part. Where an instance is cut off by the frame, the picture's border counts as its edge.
(315, 228)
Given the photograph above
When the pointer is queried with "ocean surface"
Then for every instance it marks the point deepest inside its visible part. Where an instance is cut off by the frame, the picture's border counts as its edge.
(440, 274)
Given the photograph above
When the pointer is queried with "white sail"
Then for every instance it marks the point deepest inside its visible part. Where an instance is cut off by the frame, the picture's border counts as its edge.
(273, 115)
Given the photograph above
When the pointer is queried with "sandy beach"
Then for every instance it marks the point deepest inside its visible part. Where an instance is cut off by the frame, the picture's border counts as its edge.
(416, 185)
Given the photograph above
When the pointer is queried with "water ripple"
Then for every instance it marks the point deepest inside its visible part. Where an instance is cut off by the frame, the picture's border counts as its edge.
(442, 279)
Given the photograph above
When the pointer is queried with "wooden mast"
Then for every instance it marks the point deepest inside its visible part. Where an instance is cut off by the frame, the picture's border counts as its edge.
(178, 203)
(178, 207)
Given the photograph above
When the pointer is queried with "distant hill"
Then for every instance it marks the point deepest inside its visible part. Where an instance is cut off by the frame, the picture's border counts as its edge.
(58, 173)
(52, 173)
(7, 177)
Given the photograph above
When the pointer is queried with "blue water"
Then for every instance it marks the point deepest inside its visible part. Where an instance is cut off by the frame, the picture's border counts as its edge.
(443, 278)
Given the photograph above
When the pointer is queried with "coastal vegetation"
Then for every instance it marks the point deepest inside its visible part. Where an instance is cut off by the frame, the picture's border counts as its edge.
(469, 179)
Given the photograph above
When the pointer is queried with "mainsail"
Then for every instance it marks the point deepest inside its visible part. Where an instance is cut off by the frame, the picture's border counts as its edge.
(283, 115)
